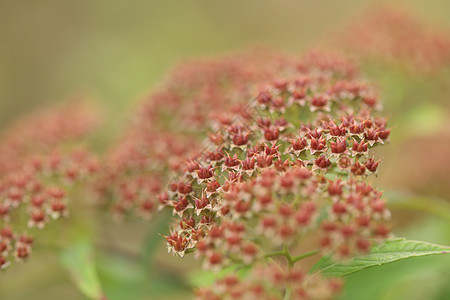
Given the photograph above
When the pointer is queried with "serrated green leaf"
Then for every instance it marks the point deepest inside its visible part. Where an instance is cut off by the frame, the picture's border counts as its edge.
(390, 251)
(78, 260)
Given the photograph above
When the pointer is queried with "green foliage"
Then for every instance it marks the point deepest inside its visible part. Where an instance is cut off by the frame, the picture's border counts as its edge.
(425, 277)
(123, 278)
(390, 251)
(78, 260)
(154, 239)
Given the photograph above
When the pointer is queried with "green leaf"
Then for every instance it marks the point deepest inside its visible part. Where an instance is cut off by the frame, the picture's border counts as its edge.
(124, 278)
(424, 277)
(154, 240)
(78, 260)
(390, 251)
(377, 283)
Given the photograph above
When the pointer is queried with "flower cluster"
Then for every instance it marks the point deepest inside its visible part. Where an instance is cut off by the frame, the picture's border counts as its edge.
(267, 282)
(291, 166)
(171, 123)
(392, 35)
(37, 172)
(42, 131)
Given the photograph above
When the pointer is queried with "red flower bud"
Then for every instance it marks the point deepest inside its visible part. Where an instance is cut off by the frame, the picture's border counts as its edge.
(215, 258)
(319, 101)
(358, 169)
(363, 245)
(322, 162)
(285, 210)
(205, 173)
(271, 134)
(339, 208)
(317, 144)
(339, 146)
(335, 188)
(359, 147)
(371, 165)
(298, 144)
(264, 97)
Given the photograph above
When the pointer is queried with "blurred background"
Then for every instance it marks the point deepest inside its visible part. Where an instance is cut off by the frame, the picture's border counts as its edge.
(116, 52)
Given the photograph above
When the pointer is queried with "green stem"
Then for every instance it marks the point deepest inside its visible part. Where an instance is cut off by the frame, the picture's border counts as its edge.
(304, 255)
(287, 294)
(291, 259)
(288, 255)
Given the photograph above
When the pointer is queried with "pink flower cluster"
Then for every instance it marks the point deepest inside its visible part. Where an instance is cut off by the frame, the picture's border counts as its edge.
(41, 131)
(37, 173)
(289, 167)
(268, 282)
(389, 34)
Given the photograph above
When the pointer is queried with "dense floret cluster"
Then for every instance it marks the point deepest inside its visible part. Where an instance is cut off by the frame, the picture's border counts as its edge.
(267, 282)
(39, 165)
(289, 166)
(394, 36)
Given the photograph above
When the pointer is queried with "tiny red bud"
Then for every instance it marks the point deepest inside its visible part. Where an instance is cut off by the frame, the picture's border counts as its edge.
(339, 208)
(215, 258)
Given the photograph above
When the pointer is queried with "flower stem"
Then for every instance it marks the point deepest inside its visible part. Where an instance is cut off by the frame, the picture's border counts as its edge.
(291, 259)
(304, 255)
(288, 255)
(287, 294)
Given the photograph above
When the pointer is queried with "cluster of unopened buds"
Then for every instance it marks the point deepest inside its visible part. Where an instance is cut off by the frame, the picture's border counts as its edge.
(37, 177)
(391, 35)
(266, 282)
(287, 170)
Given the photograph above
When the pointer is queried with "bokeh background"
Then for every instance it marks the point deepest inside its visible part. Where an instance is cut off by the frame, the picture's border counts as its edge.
(116, 52)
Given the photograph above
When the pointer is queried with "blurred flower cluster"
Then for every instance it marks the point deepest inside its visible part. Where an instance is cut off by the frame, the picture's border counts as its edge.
(266, 282)
(40, 162)
(390, 37)
(171, 124)
(394, 36)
